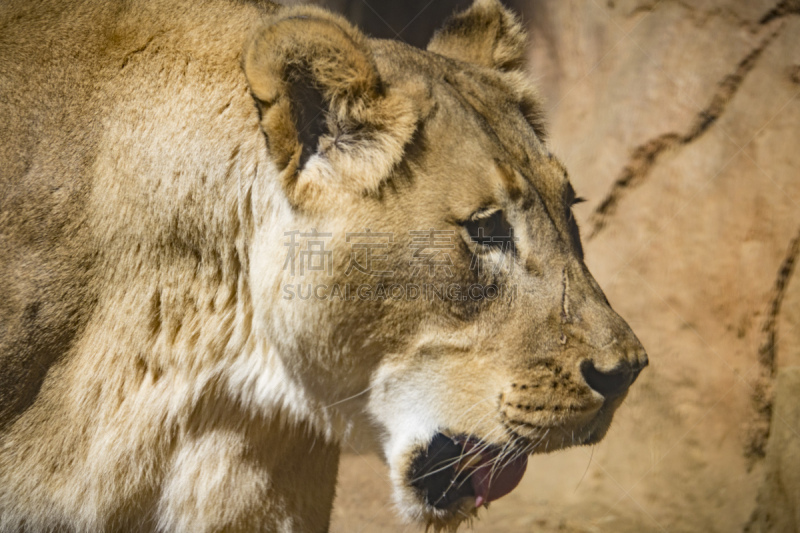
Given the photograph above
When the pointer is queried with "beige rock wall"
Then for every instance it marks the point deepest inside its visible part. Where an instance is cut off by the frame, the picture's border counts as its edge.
(778, 504)
(680, 123)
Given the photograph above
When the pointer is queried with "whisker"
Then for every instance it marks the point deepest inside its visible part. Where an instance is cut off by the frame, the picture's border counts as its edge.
(447, 463)
(498, 462)
(450, 462)
(350, 397)
(473, 406)
(591, 455)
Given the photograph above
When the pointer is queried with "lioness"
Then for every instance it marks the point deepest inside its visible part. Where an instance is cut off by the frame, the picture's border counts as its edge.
(236, 235)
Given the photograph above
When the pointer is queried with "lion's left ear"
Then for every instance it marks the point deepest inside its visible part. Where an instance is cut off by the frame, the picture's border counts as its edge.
(486, 34)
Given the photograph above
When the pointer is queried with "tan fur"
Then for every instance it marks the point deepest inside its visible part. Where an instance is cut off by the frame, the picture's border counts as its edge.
(153, 375)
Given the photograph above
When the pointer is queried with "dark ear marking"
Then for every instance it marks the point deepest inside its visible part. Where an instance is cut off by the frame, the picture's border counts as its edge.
(309, 113)
(486, 34)
(531, 108)
(306, 67)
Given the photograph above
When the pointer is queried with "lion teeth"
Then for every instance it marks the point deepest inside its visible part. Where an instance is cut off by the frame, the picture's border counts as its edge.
(472, 461)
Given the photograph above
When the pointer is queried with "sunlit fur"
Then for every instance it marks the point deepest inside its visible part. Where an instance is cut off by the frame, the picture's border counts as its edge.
(153, 376)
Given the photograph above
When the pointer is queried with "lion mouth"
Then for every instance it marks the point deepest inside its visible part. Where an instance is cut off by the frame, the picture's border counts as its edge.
(451, 469)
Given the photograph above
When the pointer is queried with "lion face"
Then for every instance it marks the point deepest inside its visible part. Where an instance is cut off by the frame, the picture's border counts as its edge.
(449, 320)
(479, 381)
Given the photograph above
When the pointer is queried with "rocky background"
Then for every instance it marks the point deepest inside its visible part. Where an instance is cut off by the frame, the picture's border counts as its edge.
(680, 123)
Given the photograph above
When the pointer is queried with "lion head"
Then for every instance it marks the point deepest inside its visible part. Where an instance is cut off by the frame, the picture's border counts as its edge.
(455, 325)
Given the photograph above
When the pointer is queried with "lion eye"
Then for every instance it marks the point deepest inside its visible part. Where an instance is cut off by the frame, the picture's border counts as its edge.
(491, 231)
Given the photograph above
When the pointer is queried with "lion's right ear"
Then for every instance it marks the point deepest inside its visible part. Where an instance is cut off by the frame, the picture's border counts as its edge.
(307, 69)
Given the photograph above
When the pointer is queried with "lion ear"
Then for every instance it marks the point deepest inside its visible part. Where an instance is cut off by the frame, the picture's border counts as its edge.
(486, 34)
(307, 68)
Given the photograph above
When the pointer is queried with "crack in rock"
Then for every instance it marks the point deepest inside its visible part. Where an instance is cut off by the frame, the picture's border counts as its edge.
(786, 7)
(698, 16)
(762, 396)
(645, 155)
(794, 74)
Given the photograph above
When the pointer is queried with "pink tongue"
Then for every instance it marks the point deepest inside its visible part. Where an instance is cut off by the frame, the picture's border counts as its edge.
(491, 481)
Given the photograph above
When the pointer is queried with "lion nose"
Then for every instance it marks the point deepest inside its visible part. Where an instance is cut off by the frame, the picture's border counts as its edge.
(612, 383)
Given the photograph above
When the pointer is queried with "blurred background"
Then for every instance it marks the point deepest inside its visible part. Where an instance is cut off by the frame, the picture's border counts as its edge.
(679, 121)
